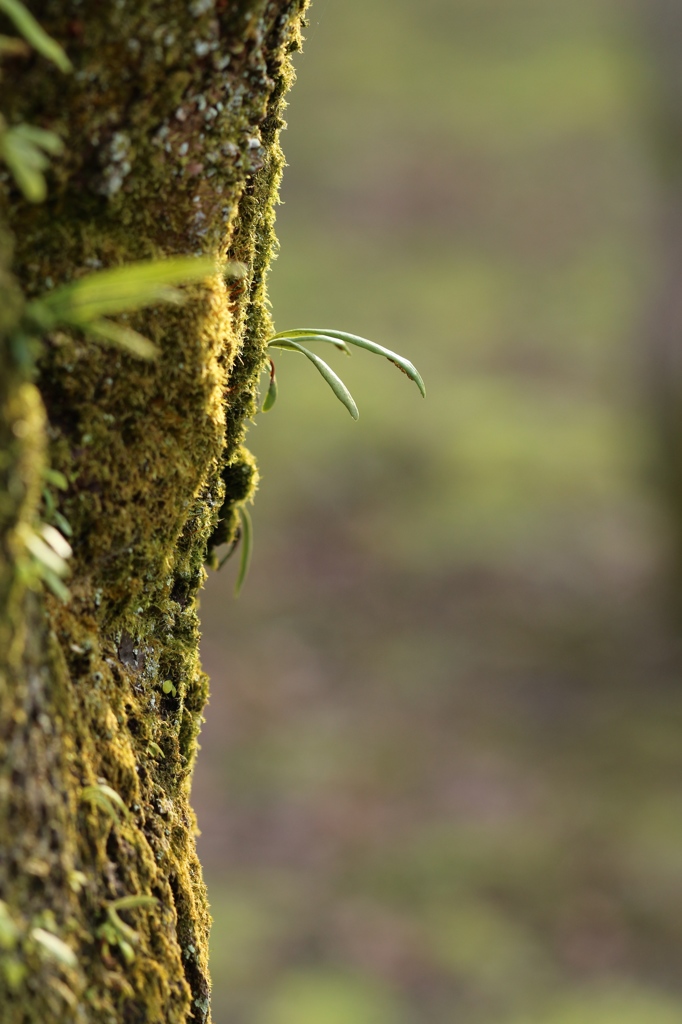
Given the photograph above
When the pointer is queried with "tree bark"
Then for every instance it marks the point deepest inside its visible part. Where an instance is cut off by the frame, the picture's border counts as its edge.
(171, 121)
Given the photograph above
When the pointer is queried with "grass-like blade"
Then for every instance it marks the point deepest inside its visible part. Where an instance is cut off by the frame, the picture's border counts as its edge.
(130, 902)
(246, 548)
(34, 34)
(122, 337)
(292, 335)
(370, 346)
(124, 288)
(334, 381)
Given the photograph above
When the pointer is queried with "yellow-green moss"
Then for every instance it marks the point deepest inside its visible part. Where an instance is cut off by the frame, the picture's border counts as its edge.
(170, 148)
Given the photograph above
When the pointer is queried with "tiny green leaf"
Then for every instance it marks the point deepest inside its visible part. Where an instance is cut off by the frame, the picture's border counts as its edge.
(53, 581)
(370, 346)
(56, 540)
(130, 902)
(271, 396)
(122, 337)
(43, 552)
(168, 687)
(123, 930)
(54, 476)
(127, 950)
(246, 548)
(55, 947)
(332, 379)
(106, 798)
(23, 149)
(62, 522)
(35, 34)
(41, 137)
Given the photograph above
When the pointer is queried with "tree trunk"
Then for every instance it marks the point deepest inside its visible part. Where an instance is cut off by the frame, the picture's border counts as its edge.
(171, 120)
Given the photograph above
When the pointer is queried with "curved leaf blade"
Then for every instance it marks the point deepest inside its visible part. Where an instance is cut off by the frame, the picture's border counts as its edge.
(35, 34)
(246, 548)
(401, 362)
(332, 379)
(122, 337)
(292, 335)
(271, 396)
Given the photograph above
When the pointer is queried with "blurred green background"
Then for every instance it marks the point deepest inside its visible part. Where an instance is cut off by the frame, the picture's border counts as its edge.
(440, 775)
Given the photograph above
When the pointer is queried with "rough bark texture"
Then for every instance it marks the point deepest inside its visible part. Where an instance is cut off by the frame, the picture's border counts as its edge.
(171, 120)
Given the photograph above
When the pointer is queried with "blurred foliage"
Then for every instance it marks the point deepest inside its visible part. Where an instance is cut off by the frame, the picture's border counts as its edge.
(440, 770)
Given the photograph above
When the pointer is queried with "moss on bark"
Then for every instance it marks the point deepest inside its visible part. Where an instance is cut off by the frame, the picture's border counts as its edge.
(171, 120)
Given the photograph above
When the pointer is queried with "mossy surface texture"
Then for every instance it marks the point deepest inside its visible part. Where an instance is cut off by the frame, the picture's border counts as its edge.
(171, 120)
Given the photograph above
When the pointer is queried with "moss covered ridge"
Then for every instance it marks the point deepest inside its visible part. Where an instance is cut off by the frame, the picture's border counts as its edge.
(172, 120)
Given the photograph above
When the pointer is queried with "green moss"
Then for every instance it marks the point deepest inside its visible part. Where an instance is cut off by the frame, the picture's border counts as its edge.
(170, 148)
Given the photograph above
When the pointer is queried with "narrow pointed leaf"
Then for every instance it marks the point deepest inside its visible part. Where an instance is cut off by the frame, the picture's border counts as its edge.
(122, 337)
(292, 335)
(57, 542)
(246, 548)
(131, 902)
(34, 34)
(106, 798)
(370, 346)
(334, 381)
(55, 947)
(53, 581)
(44, 553)
(49, 141)
(26, 162)
(124, 288)
(271, 396)
(129, 934)
(57, 478)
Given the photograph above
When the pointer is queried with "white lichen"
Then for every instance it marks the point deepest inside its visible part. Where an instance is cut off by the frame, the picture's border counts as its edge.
(199, 7)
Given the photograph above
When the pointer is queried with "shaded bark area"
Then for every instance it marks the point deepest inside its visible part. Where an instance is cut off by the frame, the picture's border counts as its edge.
(171, 120)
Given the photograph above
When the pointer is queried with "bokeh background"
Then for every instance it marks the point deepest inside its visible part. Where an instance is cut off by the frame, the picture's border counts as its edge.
(441, 775)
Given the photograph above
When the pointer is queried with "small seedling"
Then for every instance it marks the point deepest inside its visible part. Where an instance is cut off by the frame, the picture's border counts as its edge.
(168, 687)
(115, 932)
(289, 340)
(107, 799)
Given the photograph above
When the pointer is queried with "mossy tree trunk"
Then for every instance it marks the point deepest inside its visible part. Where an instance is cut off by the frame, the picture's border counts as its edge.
(171, 120)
